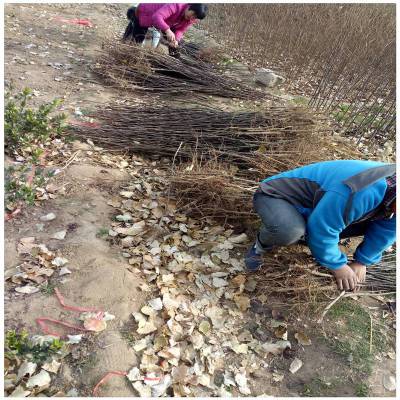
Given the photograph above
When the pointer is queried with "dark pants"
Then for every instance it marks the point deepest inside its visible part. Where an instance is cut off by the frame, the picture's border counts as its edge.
(134, 31)
(283, 225)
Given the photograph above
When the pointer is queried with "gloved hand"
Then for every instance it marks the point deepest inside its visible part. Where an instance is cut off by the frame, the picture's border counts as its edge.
(346, 278)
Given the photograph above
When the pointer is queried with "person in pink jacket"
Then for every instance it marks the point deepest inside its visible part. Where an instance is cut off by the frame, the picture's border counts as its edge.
(171, 19)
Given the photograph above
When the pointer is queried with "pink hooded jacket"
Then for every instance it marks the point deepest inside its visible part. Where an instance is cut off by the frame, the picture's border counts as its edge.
(164, 16)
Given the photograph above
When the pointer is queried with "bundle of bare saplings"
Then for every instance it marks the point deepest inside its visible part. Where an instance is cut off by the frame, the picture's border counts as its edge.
(133, 67)
(278, 133)
(226, 153)
(296, 276)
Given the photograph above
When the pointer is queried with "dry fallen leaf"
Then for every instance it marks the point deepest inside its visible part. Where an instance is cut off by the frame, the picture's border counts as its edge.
(134, 375)
(59, 261)
(197, 339)
(26, 368)
(53, 367)
(20, 392)
(161, 388)
(276, 377)
(281, 332)
(295, 365)
(238, 280)
(276, 348)
(41, 379)
(217, 316)
(204, 327)
(143, 390)
(27, 289)
(238, 239)
(64, 271)
(179, 373)
(219, 282)
(156, 304)
(241, 381)
(242, 302)
(240, 348)
(146, 327)
(303, 339)
(26, 245)
(95, 325)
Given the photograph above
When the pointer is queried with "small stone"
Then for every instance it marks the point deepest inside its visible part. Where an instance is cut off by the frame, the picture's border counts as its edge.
(389, 382)
(124, 218)
(39, 227)
(73, 393)
(60, 235)
(48, 217)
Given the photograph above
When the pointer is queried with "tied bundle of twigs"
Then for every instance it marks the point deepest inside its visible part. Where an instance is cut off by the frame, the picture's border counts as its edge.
(212, 190)
(295, 275)
(277, 135)
(133, 67)
(381, 278)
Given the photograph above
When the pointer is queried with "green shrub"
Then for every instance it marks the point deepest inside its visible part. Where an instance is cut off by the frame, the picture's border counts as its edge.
(18, 189)
(26, 132)
(18, 344)
(26, 128)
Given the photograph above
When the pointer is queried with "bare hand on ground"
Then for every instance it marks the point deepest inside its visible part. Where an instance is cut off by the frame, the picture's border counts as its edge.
(346, 278)
(360, 270)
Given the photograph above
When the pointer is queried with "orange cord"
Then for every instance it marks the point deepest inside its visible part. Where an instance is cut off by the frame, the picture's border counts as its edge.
(106, 377)
(41, 321)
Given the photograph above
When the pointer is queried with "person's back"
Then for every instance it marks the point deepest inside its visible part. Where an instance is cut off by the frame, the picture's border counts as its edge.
(324, 202)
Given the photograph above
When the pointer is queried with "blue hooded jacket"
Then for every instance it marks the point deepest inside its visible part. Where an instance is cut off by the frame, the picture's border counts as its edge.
(331, 195)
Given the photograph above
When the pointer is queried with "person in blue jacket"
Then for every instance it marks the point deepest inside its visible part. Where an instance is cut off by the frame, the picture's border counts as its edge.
(322, 203)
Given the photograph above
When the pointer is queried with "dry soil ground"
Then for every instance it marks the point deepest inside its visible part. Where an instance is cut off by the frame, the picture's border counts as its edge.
(53, 58)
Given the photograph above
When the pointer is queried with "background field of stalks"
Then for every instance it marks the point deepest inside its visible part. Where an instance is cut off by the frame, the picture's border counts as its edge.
(340, 56)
